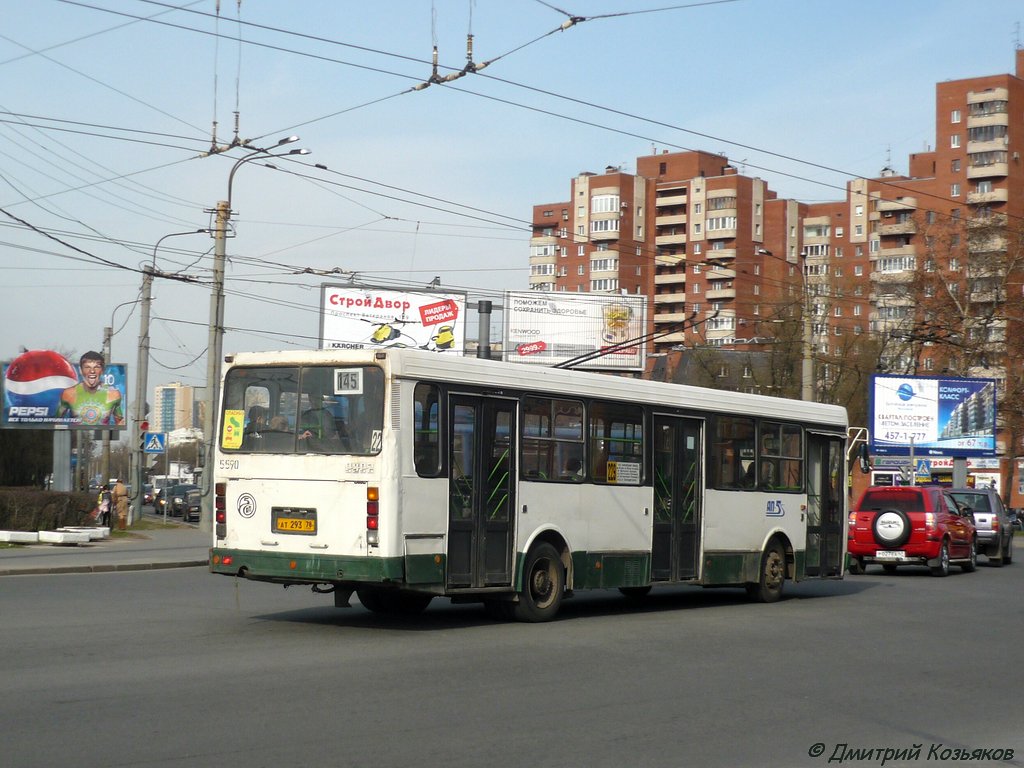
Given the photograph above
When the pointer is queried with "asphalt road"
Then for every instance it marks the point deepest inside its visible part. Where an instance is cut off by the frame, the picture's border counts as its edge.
(183, 668)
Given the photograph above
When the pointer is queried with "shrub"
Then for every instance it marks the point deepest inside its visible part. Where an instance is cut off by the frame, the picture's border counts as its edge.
(31, 509)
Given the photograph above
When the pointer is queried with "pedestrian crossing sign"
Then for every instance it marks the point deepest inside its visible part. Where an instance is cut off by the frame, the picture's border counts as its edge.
(154, 442)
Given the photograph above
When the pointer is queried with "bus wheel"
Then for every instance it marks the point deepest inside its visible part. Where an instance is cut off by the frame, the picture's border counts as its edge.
(768, 588)
(543, 584)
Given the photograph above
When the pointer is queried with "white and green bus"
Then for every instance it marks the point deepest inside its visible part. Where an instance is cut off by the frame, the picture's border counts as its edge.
(403, 475)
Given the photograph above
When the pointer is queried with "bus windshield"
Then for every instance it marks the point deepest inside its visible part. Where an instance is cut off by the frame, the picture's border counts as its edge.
(303, 409)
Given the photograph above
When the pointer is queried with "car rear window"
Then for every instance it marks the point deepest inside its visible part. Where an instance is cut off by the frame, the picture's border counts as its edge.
(978, 502)
(904, 500)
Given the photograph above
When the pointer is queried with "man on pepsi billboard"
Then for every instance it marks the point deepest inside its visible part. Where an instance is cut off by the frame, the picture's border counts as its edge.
(89, 401)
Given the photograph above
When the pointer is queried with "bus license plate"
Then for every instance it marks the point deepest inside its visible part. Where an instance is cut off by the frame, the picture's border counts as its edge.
(290, 520)
(890, 554)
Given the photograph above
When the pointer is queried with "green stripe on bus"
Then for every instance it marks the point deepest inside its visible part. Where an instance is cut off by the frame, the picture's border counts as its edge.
(306, 567)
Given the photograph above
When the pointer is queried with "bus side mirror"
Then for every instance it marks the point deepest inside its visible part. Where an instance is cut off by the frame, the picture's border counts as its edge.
(863, 459)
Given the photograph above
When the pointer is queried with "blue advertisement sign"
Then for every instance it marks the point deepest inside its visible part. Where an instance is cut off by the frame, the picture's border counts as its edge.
(43, 389)
(938, 416)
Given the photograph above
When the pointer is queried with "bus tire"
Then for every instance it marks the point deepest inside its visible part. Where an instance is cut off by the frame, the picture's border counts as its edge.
(772, 577)
(543, 585)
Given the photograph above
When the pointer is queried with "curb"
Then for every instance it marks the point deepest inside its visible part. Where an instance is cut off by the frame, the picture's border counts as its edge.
(104, 568)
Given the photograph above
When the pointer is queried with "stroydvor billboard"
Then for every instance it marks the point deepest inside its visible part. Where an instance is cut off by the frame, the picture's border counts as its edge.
(939, 416)
(365, 317)
(43, 389)
(606, 331)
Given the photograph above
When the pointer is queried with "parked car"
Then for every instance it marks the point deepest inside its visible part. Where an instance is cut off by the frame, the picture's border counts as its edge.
(910, 525)
(992, 521)
(193, 506)
(173, 498)
(147, 494)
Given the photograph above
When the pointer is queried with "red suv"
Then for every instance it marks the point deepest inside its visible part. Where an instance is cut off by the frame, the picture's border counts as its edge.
(910, 525)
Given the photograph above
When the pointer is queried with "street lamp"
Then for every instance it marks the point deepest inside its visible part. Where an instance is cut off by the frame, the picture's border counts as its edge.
(216, 334)
(141, 381)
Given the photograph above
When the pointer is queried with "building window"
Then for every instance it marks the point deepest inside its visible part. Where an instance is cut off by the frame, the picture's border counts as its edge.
(954, 190)
(954, 166)
(954, 141)
(604, 204)
(580, 250)
(580, 270)
(954, 116)
(858, 210)
(984, 187)
(856, 310)
(858, 230)
(696, 208)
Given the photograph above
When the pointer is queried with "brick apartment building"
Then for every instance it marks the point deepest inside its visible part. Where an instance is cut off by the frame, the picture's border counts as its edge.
(726, 262)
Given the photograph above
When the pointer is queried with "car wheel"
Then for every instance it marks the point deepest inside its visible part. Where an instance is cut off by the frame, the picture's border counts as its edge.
(891, 528)
(941, 568)
(972, 563)
(856, 566)
(1008, 554)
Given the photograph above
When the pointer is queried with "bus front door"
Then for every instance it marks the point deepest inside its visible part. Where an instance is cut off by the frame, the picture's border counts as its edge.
(826, 511)
(675, 549)
(481, 486)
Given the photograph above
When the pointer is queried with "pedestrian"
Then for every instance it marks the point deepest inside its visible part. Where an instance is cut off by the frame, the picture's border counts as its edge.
(105, 502)
(121, 504)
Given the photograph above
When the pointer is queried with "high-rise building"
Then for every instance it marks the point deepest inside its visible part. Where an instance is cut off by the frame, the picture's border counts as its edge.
(173, 408)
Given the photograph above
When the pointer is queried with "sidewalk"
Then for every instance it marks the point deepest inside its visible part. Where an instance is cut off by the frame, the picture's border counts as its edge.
(142, 550)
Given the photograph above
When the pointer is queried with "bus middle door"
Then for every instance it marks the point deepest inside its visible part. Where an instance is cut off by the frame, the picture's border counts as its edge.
(481, 483)
(676, 545)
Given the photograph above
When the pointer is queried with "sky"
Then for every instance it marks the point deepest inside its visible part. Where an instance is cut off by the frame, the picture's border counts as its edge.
(107, 110)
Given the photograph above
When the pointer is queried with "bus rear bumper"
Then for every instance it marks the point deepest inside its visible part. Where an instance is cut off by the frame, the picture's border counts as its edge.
(305, 568)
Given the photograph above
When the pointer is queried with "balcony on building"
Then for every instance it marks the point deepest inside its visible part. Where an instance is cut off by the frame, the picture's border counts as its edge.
(992, 145)
(720, 294)
(992, 170)
(897, 205)
(892, 278)
(908, 227)
(673, 239)
(670, 278)
(670, 196)
(902, 250)
(719, 270)
(669, 259)
(720, 255)
(538, 282)
(993, 118)
(720, 234)
(662, 318)
(994, 196)
(670, 220)
(671, 298)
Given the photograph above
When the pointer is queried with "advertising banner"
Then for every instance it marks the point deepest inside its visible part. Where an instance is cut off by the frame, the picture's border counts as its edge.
(602, 331)
(941, 417)
(43, 389)
(364, 318)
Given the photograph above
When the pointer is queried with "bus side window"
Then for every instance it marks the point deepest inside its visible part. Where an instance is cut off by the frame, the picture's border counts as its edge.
(426, 443)
(732, 453)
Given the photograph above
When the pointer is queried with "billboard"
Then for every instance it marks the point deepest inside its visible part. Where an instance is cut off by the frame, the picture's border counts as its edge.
(364, 318)
(940, 416)
(43, 389)
(605, 331)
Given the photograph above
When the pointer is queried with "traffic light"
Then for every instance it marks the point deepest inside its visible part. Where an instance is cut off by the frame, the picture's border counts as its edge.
(143, 431)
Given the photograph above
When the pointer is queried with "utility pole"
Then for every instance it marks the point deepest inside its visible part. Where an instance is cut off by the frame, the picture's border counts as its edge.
(105, 458)
(141, 375)
(214, 349)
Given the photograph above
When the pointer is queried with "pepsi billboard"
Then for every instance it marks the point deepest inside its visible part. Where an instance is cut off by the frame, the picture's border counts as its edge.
(937, 416)
(43, 389)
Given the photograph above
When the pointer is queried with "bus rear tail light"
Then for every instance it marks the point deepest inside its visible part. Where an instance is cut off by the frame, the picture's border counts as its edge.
(220, 516)
(372, 515)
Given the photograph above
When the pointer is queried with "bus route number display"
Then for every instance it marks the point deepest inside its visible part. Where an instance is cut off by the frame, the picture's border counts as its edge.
(348, 381)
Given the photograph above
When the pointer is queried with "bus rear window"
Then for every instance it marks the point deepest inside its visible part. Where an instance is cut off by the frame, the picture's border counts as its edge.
(306, 409)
